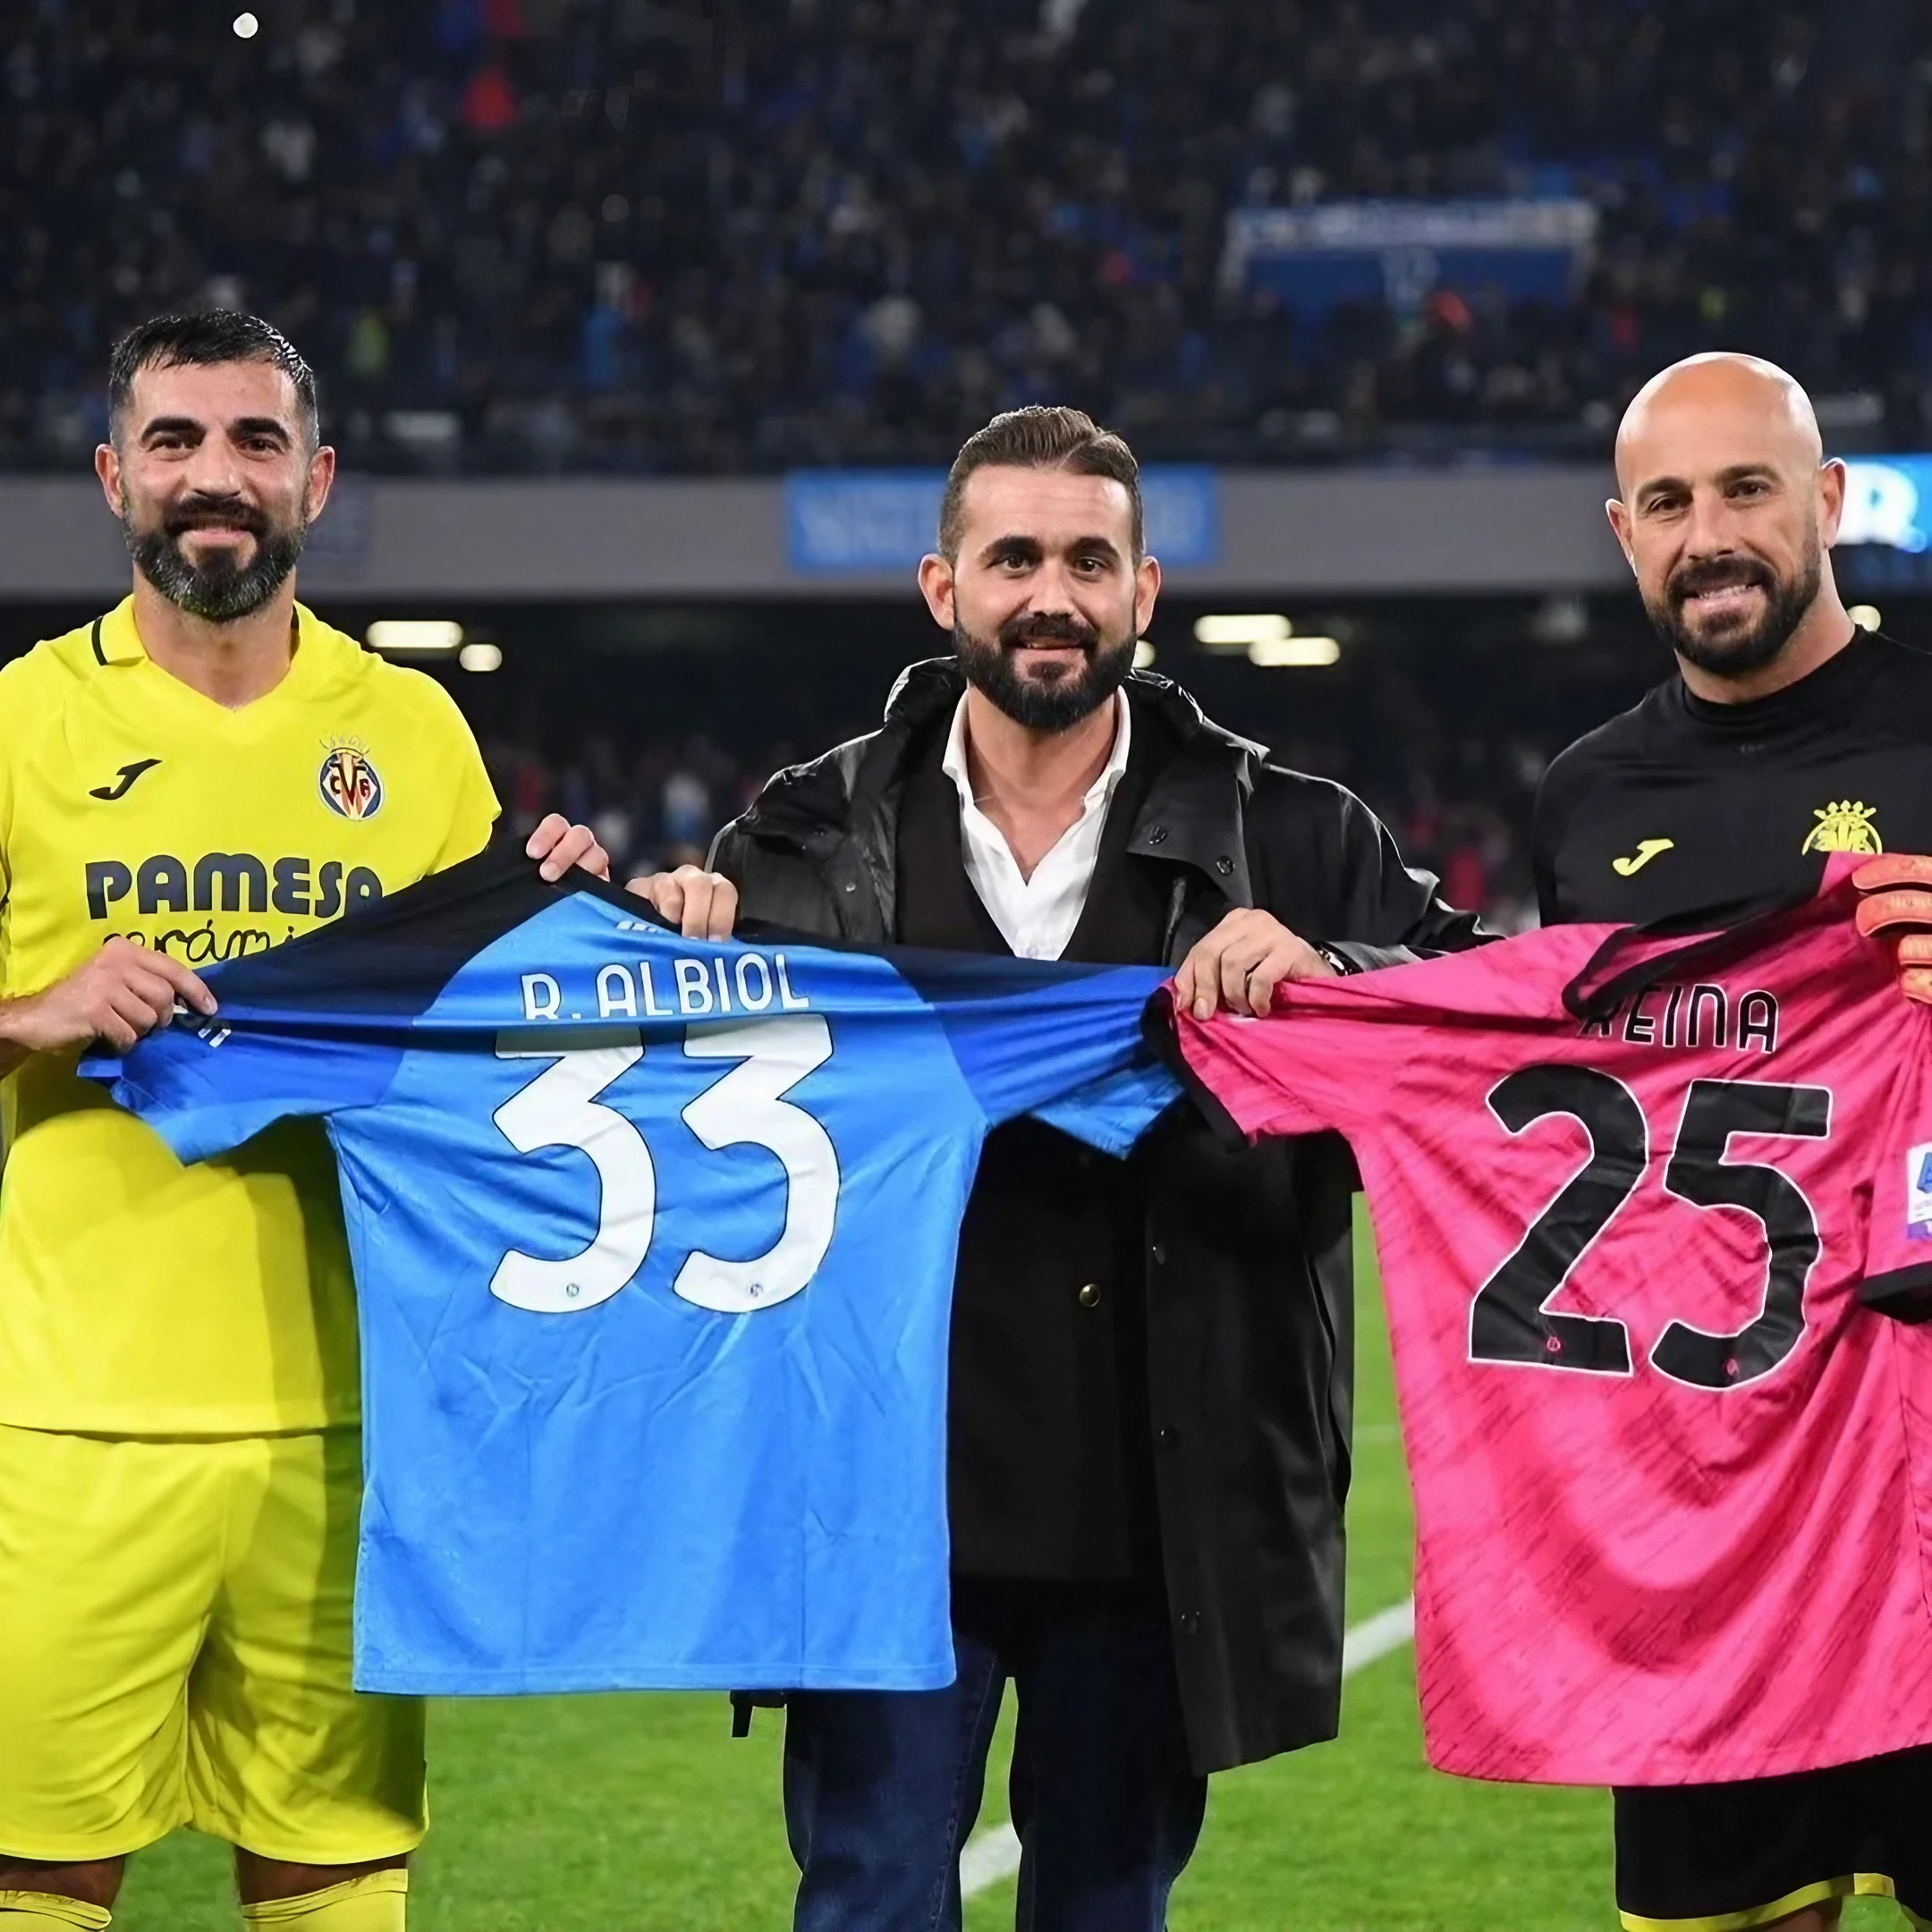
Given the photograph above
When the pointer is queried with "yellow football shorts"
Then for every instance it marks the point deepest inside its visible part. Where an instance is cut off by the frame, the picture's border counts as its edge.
(174, 1634)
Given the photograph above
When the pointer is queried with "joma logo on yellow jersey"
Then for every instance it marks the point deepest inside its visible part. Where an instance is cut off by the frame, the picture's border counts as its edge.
(230, 882)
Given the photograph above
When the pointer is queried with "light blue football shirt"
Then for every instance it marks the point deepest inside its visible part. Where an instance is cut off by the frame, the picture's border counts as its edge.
(654, 1244)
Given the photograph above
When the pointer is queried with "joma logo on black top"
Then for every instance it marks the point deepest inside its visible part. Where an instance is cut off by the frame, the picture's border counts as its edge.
(230, 882)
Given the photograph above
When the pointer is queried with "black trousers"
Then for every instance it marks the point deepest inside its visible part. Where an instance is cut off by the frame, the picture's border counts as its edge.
(882, 1788)
(1695, 1854)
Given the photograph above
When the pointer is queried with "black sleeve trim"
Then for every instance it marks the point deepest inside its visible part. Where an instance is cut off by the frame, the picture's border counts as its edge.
(1905, 1294)
(1158, 1030)
(1714, 935)
(397, 955)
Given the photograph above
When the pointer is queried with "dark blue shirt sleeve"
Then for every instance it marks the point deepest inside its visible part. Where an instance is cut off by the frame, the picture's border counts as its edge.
(1062, 1042)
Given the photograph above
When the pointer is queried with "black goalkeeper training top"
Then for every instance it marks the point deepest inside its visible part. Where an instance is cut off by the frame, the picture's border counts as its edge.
(1679, 805)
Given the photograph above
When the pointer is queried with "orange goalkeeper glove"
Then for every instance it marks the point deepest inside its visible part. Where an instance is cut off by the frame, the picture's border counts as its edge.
(1898, 899)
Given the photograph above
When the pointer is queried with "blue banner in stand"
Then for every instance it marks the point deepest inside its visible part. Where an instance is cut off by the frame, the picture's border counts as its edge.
(841, 522)
(1316, 257)
(1884, 538)
(1888, 501)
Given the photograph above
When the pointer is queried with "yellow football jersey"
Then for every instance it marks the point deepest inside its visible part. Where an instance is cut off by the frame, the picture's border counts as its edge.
(138, 1296)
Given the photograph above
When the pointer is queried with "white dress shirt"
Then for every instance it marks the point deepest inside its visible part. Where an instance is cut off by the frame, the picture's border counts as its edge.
(1035, 916)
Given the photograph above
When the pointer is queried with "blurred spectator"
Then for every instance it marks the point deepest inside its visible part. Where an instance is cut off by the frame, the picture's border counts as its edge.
(687, 816)
(728, 234)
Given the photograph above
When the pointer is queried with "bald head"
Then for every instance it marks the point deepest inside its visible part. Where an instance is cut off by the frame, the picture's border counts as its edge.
(1743, 397)
(1725, 510)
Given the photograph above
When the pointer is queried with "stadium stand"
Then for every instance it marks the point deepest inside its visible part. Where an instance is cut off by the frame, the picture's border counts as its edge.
(705, 236)
(683, 235)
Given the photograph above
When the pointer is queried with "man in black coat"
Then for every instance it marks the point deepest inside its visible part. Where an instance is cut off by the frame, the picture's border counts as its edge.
(1151, 1359)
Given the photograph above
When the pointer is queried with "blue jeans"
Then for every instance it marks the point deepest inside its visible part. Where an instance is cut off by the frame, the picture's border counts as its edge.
(882, 1788)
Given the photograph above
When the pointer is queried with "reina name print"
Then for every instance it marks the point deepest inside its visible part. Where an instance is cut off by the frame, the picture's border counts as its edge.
(1689, 1017)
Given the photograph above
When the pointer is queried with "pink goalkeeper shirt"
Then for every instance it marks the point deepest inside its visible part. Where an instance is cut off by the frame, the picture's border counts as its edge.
(1673, 1476)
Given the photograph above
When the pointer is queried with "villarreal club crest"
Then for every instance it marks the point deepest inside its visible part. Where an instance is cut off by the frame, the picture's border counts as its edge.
(350, 785)
(1845, 824)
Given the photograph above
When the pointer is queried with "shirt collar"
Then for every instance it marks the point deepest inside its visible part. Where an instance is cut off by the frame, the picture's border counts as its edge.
(118, 640)
(1097, 793)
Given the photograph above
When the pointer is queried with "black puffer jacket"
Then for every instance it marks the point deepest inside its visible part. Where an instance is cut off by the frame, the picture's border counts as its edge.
(1249, 1277)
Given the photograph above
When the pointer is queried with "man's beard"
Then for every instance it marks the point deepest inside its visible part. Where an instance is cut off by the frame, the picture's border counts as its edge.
(1731, 652)
(219, 591)
(1041, 704)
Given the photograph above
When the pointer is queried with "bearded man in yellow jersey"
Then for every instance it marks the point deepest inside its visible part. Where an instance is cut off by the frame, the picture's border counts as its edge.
(206, 771)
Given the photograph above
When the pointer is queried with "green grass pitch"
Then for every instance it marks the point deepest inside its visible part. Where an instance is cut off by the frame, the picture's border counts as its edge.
(641, 1813)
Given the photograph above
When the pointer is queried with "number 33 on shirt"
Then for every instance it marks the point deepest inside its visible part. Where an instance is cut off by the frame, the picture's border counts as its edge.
(747, 1107)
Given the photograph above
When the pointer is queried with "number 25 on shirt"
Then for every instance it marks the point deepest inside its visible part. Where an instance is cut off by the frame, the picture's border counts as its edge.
(1511, 1320)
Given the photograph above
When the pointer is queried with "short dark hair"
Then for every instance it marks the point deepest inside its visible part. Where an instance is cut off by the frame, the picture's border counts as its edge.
(1039, 437)
(212, 336)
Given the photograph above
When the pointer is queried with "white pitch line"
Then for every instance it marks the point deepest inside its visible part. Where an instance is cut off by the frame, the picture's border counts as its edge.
(1388, 1630)
(994, 1853)
(990, 1855)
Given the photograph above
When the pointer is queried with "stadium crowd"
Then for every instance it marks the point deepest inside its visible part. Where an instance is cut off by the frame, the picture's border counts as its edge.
(683, 235)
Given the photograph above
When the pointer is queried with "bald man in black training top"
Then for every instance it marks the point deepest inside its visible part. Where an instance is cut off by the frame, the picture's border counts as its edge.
(1786, 734)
